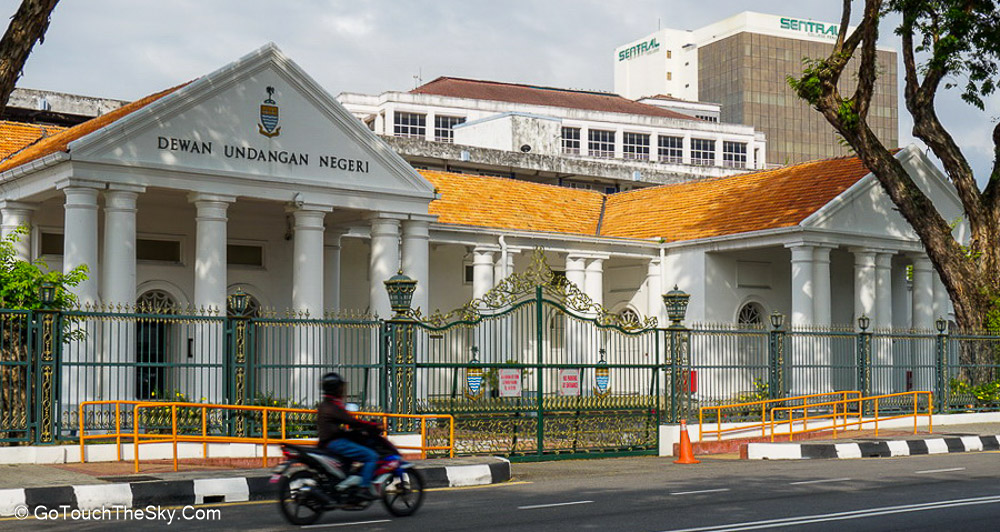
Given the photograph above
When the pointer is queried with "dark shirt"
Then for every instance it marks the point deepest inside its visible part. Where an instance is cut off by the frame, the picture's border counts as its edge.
(333, 421)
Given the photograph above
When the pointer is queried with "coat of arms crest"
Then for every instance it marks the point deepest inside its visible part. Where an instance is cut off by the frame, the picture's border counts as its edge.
(268, 125)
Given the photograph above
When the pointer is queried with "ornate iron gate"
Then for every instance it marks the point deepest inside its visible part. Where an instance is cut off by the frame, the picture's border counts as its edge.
(534, 368)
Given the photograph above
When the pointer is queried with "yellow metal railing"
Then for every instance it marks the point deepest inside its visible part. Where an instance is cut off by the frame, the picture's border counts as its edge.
(837, 413)
(279, 415)
(765, 406)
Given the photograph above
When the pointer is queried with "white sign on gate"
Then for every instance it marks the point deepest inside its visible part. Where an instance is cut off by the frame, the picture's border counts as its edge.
(569, 382)
(510, 382)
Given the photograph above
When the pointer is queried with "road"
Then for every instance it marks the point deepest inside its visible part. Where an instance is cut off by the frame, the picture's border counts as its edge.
(943, 492)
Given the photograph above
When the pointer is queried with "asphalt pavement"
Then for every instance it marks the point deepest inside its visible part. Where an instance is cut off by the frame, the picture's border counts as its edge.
(649, 494)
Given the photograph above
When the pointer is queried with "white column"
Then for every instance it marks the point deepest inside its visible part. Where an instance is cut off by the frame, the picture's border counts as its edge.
(210, 283)
(883, 375)
(942, 300)
(118, 266)
(654, 291)
(594, 280)
(80, 239)
(15, 214)
(883, 290)
(923, 293)
(482, 271)
(81, 383)
(118, 288)
(384, 262)
(822, 300)
(576, 271)
(307, 261)
(900, 297)
(864, 283)
(307, 296)
(331, 269)
(210, 250)
(803, 284)
(416, 260)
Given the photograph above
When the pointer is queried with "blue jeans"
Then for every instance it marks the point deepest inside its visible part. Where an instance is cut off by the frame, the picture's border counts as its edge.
(359, 453)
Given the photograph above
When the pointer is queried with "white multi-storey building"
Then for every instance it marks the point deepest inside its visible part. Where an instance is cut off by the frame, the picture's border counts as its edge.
(682, 138)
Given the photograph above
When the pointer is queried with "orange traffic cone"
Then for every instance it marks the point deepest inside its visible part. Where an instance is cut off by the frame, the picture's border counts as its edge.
(687, 452)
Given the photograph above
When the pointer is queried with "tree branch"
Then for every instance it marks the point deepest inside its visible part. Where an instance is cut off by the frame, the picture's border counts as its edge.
(26, 27)
(867, 70)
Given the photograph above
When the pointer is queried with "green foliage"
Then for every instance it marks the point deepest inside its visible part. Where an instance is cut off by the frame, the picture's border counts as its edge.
(20, 280)
(987, 393)
(810, 86)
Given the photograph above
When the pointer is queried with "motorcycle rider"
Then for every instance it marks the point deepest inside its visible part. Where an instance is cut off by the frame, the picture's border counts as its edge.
(338, 431)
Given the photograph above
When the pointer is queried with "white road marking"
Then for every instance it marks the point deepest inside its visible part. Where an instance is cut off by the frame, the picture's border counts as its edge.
(699, 491)
(940, 470)
(841, 516)
(536, 506)
(819, 481)
(331, 525)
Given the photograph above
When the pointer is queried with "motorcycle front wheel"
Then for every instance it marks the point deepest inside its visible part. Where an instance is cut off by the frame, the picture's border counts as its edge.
(403, 496)
(296, 502)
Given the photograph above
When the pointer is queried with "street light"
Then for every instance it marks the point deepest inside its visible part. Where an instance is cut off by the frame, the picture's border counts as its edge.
(676, 302)
(777, 319)
(864, 322)
(47, 293)
(400, 289)
(239, 301)
(942, 325)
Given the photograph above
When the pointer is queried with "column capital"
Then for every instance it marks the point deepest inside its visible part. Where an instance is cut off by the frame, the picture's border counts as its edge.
(75, 182)
(308, 219)
(332, 236)
(485, 248)
(920, 261)
(307, 207)
(116, 200)
(196, 197)
(138, 189)
(81, 197)
(380, 215)
(417, 229)
(17, 206)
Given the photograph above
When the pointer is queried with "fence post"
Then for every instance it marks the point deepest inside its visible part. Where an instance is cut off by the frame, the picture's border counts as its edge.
(676, 302)
(47, 358)
(864, 354)
(402, 387)
(238, 358)
(941, 366)
(776, 357)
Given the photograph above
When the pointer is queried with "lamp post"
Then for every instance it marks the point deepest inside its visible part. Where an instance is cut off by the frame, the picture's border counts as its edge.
(776, 378)
(864, 322)
(941, 365)
(400, 289)
(47, 294)
(676, 302)
(864, 356)
(238, 303)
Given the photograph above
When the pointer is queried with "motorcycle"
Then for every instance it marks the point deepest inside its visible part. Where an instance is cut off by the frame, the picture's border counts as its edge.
(312, 481)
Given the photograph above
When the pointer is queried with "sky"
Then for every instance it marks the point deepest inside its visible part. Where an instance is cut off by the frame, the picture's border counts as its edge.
(126, 49)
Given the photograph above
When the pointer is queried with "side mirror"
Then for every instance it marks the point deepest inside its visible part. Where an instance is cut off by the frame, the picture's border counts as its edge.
(352, 407)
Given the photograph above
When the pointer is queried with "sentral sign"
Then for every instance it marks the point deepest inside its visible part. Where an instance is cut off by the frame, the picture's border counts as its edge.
(817, 29)
(643, 48)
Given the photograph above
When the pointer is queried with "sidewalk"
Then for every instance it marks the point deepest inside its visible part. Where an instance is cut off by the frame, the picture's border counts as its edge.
(93, 485)
(971, 437)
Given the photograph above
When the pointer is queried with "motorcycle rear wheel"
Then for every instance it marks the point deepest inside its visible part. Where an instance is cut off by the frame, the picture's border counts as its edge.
(403, 497)
(298, 506)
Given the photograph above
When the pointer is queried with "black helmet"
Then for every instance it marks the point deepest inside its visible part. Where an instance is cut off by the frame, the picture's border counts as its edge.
(332, 384)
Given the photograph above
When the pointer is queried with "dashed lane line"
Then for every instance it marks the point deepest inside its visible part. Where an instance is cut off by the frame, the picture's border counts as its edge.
(699, 491)
(553, 505)
(940, 470)
(332, 525)
(821, 481)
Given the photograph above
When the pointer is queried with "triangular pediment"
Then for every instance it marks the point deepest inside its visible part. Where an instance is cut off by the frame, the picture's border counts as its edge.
(866, 209)
(260, 118)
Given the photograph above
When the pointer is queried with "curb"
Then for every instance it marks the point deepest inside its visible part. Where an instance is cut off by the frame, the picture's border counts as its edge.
(210, 490)
(871, 449)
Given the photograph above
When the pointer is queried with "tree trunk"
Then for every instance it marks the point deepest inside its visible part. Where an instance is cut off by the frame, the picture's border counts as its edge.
(26, 27)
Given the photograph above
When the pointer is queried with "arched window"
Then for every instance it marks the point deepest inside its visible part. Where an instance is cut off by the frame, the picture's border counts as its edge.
(751, 316)
(629, 319)
(152, 344)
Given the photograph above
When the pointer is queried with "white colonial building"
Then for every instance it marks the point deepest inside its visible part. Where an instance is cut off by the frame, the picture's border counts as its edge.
(254, 177)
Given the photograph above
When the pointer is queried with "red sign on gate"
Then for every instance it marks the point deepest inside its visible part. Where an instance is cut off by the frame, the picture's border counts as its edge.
(690, 381)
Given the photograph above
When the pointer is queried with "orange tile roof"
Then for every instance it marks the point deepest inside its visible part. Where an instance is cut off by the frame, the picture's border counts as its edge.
(502, 203)
(15, 136)
(538, 95)
(730, 205)
(60, 141)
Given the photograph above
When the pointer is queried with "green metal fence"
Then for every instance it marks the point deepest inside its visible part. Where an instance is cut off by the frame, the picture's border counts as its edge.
(533, 369)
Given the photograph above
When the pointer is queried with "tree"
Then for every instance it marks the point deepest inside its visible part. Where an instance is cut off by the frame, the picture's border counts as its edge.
(26, 27)
(20, 280)
(955, 40)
